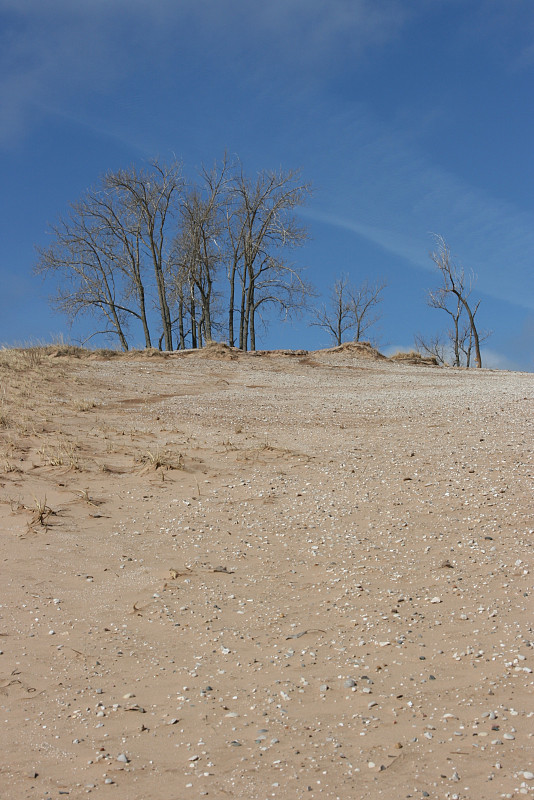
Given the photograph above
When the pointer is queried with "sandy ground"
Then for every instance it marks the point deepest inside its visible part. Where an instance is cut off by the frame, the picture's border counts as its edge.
(276, 576)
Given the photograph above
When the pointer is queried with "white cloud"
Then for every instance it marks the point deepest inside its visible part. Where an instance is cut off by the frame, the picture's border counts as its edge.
(491, 359)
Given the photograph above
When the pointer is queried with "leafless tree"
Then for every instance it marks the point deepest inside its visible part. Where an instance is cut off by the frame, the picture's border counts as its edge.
(83, 258)
(457, 285)
(103, 251)
(350, 308)
(151, 198)
(434, 346)
(364, 301)
(336, 318)
(276, 285)
(199, 247)
(260, 225)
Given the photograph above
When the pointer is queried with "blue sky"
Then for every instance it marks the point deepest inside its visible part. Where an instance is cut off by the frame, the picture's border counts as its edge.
(407, 117)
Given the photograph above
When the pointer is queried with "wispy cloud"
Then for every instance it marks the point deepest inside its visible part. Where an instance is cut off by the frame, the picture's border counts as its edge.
(388, 239)
(394, 196)
(51, 52)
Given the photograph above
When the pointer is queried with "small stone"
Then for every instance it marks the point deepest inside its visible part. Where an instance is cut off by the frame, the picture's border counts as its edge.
(508, 736)
(123, 758)
(33, 774)
(108, 781)
(349, 683)
(436, 600)
(128, 696)
(529, 776)
(371, 764)
(323, 687)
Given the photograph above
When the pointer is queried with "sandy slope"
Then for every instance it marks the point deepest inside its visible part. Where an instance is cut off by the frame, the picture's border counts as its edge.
(274, 576)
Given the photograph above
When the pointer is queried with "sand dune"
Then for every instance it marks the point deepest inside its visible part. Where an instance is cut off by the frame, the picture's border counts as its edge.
(275, 575)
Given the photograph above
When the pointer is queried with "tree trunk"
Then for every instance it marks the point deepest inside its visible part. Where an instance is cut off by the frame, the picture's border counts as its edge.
(252, 318)
(181, 332)
(146, 331)
(249, 313)
(164, 307)
(118, 326)
(456, 343)
(474, 331)
(193, 323)
(231, 335)
(243, 321)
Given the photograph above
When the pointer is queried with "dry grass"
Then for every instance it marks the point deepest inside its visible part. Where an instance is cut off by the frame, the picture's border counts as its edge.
(60, 453)
(85, 405)
(41, 512)
(413, 357)
(161, 460)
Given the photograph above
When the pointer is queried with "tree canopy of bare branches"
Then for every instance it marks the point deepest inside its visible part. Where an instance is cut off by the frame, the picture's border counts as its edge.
(350, 309)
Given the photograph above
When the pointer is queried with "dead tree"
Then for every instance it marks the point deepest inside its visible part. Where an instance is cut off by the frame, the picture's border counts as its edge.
(151, 197)
(105, 250)
(336, 318)
(83, 259)
(261, 226)
(364, 300)
(434, 346)
(455, 283)
(350, 309)
(199, 247)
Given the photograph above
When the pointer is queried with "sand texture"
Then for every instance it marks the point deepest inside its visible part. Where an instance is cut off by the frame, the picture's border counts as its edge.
(276, 575)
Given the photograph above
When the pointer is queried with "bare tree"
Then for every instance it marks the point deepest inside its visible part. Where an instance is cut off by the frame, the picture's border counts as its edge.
(151, 197)
(455, 283)
(350, 309)
(84, 257)
(199, 246)
(261, 225)
(336, 317)
(104, 250)
(434, 346)
(110, 209)
(279, 286)
(364, 300)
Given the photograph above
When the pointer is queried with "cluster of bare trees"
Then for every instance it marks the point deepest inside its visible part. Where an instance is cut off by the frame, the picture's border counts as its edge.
(148, 251)
(351, 310)
(462, 338)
